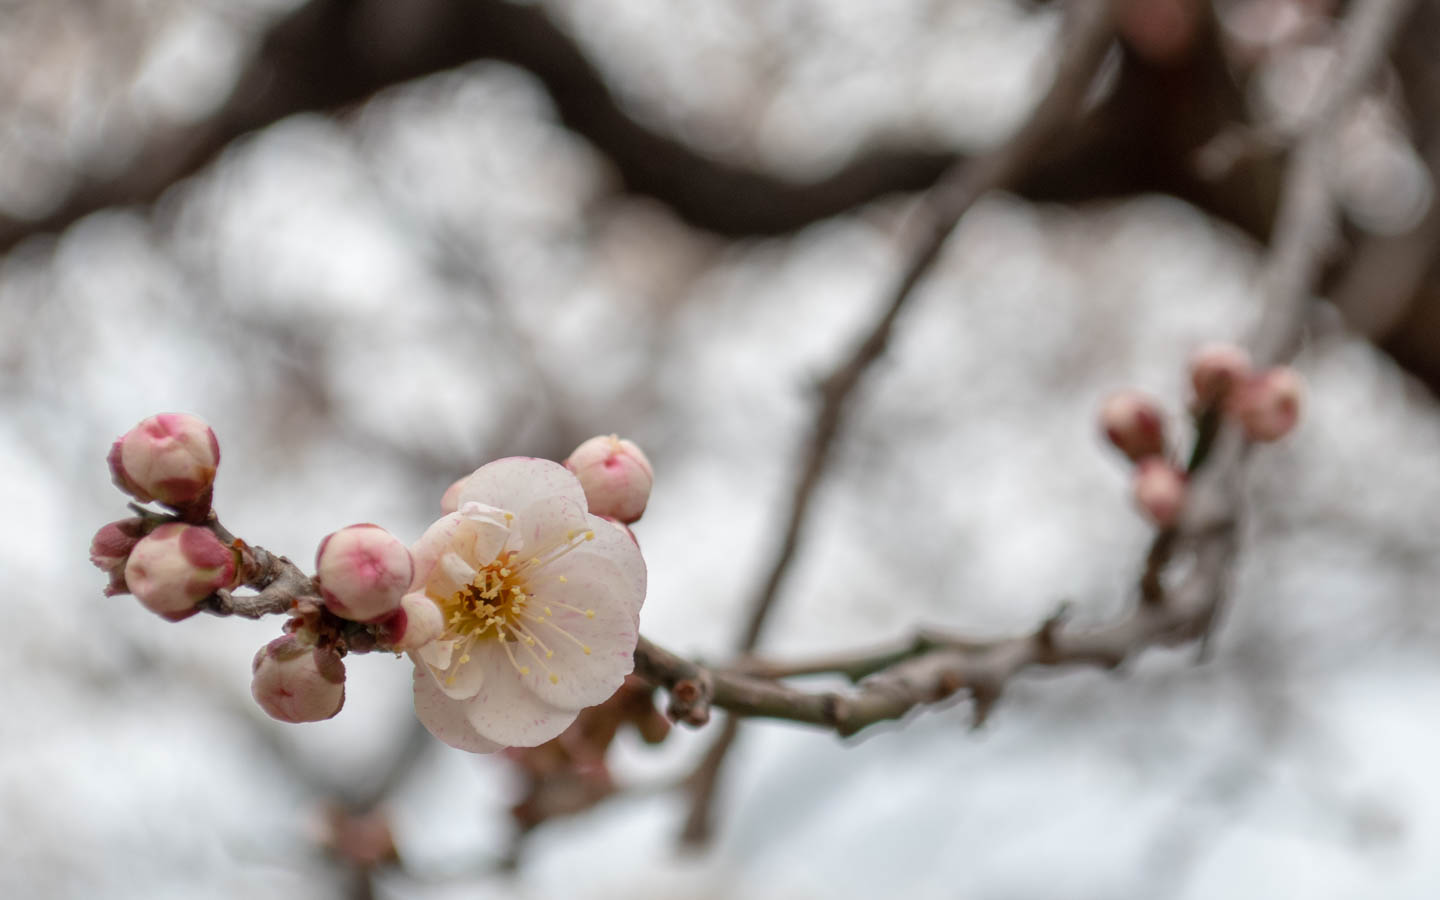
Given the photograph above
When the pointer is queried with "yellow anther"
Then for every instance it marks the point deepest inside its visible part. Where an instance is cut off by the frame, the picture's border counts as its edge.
(589, 613)
(554, 679)
(464, 659)
(564, 580)
(589, 535)
(524, 670)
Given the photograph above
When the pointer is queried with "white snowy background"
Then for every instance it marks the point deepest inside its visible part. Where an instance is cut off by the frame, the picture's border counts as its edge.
(446, 273)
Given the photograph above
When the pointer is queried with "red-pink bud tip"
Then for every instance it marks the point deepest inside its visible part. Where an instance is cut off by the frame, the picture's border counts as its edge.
(297, 682)
(363, 571)
(1268, 405)
(1133, 422)
(176, 566)
(616, 477)
(1160, 490)
(170, 458)
(1216, 371)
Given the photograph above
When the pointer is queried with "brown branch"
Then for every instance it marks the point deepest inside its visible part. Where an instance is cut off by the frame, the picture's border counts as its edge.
(931, 667)
(331, 54)
(1085, 38)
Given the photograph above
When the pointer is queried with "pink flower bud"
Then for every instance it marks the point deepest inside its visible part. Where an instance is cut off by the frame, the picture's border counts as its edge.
(170, 458)
(1159, 491)
(362, 571)
(1133, 423)
(616, 477)
(450, 500)
(416, 623)
(297, 682)
(1216, 370)
(1268, 405)
(176, 566)
(110, 550)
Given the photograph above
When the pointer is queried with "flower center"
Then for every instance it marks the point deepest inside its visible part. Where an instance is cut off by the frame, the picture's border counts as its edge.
(500, 605)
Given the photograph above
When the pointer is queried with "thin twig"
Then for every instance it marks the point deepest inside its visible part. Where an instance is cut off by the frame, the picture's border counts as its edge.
(1305, 231)
(1085, 40)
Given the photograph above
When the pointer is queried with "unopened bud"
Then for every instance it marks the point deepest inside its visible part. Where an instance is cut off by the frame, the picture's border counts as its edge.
(176, 566)
(1133, 423)
(1160, 491)
(1268, 405)
(362, 571)
(416, 623)
(171, 458)
(298, 682)
(616, 477)
(1216, 370)
(110, 551)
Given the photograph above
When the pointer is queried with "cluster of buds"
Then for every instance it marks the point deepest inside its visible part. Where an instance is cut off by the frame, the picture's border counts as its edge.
(522, 588)
(1265, 405)
(168, 563)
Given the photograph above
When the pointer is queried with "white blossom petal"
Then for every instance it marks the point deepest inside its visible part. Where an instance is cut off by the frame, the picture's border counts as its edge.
(446, 718)
(436, 654)
(582, 679)
(518, 481)
(611, 557)
(477, 532)
(546, 526)
(508, 712)
(463, 678)
(451, 575)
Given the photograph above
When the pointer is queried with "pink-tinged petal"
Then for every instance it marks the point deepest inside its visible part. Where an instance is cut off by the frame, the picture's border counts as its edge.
(476, 532)
(518, 481)
(606, 580)
(506, 711)
(445, 718)
(463, 677)
(610, 635)
(417, 623)
(611, 555)
(436, 654)
(545, 527)
(450, 576)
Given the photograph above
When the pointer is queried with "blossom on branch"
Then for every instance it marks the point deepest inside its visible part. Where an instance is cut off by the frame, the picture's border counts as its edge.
(176, 566)
(362, 572)
(1160, 490)
(616, 477)
(540, 601)
(170, 457)
(1132, 421)
(1268, 406)
(295, 681)
(110, 551)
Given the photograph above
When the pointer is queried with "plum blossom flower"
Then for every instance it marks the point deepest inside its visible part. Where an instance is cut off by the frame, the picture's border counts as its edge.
(540, 602)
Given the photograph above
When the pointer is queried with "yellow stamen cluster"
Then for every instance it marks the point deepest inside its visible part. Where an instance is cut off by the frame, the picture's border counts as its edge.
(499, 605)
